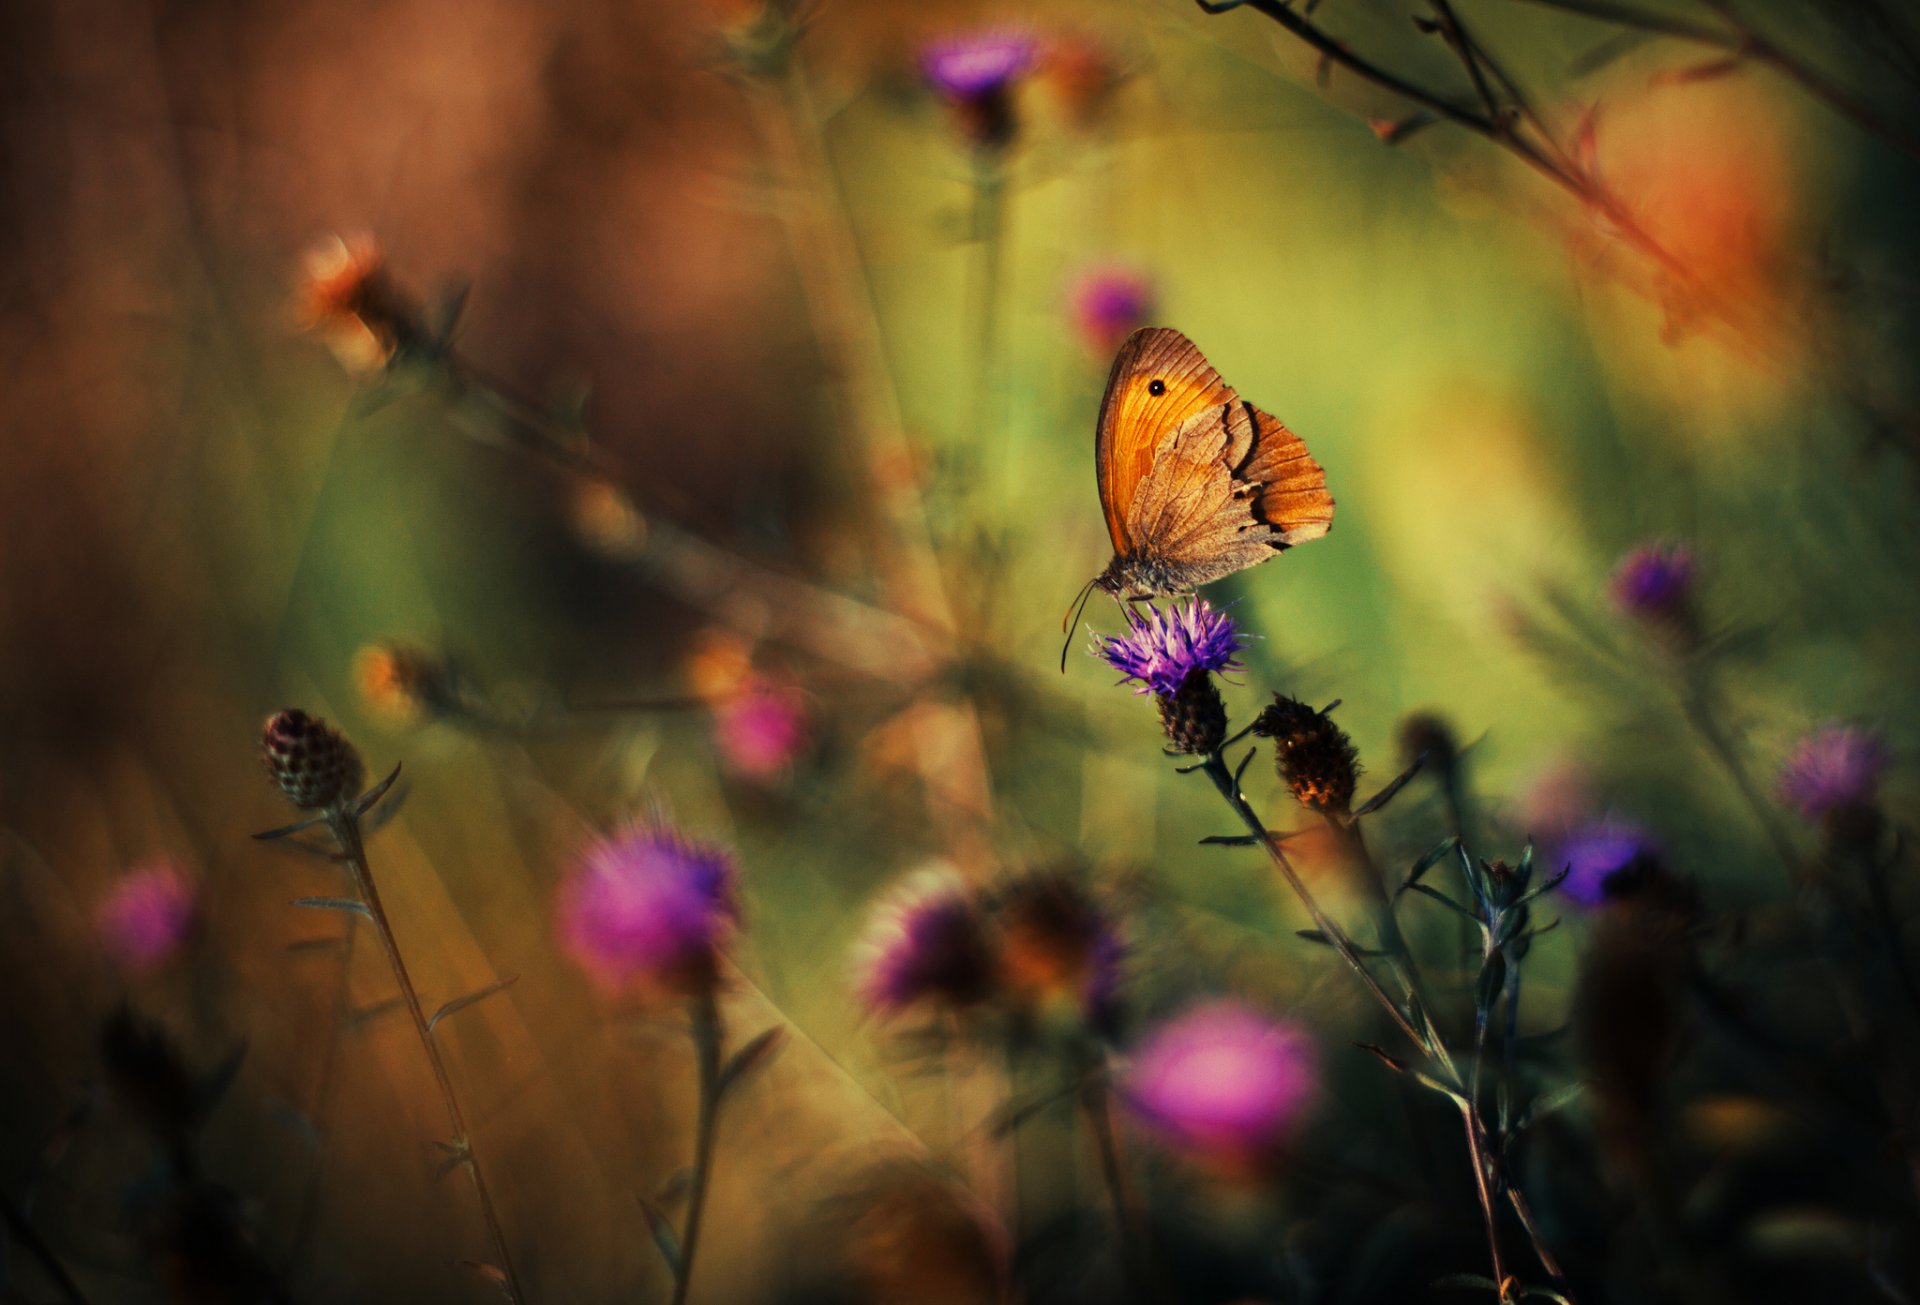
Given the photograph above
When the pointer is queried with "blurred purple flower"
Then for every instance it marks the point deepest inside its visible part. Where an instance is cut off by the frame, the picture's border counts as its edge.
(1834, 768)
(978, 64)
(1602, 860)
(1223, 1082)
(1061, 947)
(648, 909)
(926, 941)
(1654, 581)
(1162, 648)
(1108, 303)
(148, 916)
(760, 732)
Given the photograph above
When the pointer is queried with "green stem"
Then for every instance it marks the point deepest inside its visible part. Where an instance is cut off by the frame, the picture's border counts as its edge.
(989, 228)
(706, 1048)
(345, 827)
(1135, 1246)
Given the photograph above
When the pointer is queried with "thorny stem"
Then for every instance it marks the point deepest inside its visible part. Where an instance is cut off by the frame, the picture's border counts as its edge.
(21, 1229)
(706, 1047)
(345, 827)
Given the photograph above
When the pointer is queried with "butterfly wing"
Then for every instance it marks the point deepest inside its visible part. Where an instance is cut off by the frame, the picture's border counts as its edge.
(1135, 421)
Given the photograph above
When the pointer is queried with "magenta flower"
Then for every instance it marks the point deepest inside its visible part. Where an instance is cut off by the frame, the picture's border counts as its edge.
(926, 942)
(1654, 581)
(1163, 648)
(647, 909)
(1604, 860)
(1835, 768)
(1223, 1083)
(979, 64)
(148, 916)
(1108, 303)
(760, 732)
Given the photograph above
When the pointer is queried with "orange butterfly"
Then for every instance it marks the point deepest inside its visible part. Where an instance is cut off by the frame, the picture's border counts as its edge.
(1196, 482)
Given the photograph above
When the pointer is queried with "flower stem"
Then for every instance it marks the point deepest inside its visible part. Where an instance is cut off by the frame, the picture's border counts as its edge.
(1096, 1104)
(345, 827)
(1697, 702)
(706, 1049)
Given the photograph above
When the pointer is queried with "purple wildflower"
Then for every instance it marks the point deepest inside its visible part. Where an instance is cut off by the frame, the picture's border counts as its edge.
(760, 732)
(647, 909)
(978, 64)
(1655, 581)
(1835, 768)
(926, 942)
(1162, 649)
(1060, 947)
(1223, 1083)
(148, 916)
(1107, 304)
(1603, 860)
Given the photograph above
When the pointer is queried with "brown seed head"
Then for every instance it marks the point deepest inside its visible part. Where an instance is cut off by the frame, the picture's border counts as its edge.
(1313, 755)
(1193, 715)
(312, 762)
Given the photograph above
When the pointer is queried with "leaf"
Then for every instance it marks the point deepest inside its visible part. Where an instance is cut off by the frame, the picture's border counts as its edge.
(1443, 899)
(675, 1188)
(1419, 1076)
(1229, 840)
(665, 1239)
(492, 1273)
(1428, 862)
(1319, 936)
(269, 835)
(1391, 131)
(1548, 1102)
(373, 795)
(366, 1015)
(756, 1055)
(352, 905)
(461, 1003)
(1388, 793)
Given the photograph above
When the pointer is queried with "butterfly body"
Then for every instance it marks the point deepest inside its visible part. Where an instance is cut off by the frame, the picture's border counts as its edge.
(1196, 482)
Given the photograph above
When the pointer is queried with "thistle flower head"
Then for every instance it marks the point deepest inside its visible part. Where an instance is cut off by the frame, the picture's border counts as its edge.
(1654, 582)
(760, 731)
(975, 74)
(1314, 757)
(1161, 649)
(1059, 947)
(926, 942)
(648, 910)
(1223, 1083)
(311, 761)
(1108, 303)
(1834, 768)
(149, 916)
(1605, 861)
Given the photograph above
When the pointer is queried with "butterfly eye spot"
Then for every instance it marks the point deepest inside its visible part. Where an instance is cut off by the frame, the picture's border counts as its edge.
(1156, 387)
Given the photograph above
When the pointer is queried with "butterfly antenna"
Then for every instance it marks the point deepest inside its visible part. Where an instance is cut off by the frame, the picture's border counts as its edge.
(1070, 623)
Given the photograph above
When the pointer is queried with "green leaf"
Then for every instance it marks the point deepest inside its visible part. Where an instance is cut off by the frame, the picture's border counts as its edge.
(1548, 1102)
(756, 1055)
(1388, 793)
(1319, 936)
(461, 1003)
(665, 1239)
(1428, 862)
(1443, 899)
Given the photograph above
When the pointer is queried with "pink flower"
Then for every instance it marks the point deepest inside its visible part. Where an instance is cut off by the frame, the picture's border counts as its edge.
(926, 942)
(148, 916)
(1108, 303)
(646, 909)
(760, 732)
(1223, 1083)
(1832, 769)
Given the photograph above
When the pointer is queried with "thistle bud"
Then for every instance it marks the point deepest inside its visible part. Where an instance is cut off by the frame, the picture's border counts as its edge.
(1194, 715)
(311, 761)
(1313, 756)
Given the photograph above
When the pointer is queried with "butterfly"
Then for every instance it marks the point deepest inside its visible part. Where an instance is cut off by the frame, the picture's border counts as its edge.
(1196, 482)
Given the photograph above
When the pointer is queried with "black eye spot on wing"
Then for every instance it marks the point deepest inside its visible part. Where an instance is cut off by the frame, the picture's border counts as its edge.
(1156, 387)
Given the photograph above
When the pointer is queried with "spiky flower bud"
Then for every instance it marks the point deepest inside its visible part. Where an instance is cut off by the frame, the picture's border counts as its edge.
(1194, 715)
(311, 761)
(1314, 756)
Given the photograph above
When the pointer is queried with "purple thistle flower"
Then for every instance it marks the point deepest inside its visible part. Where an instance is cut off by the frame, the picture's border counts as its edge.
(1835, 768)
(647, 909)
(1603, 860)
(148, 916)
(1223, 1083)
(977, 65)
(1163, 648)
(926, 942)
(1654, 581)
(1107, 304)
(761, 732)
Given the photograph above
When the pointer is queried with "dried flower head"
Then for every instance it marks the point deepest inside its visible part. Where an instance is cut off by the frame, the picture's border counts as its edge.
(926, 943)
(976, 75)
(311, 761)
(648, 910)
(1834, 768)
(1060, 947)
(1108, 303)
(761, 730)
(402, 684)
(149, 916)
(347, 300)
(1313, 756)
(1605, 861)
(1223, 1084)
